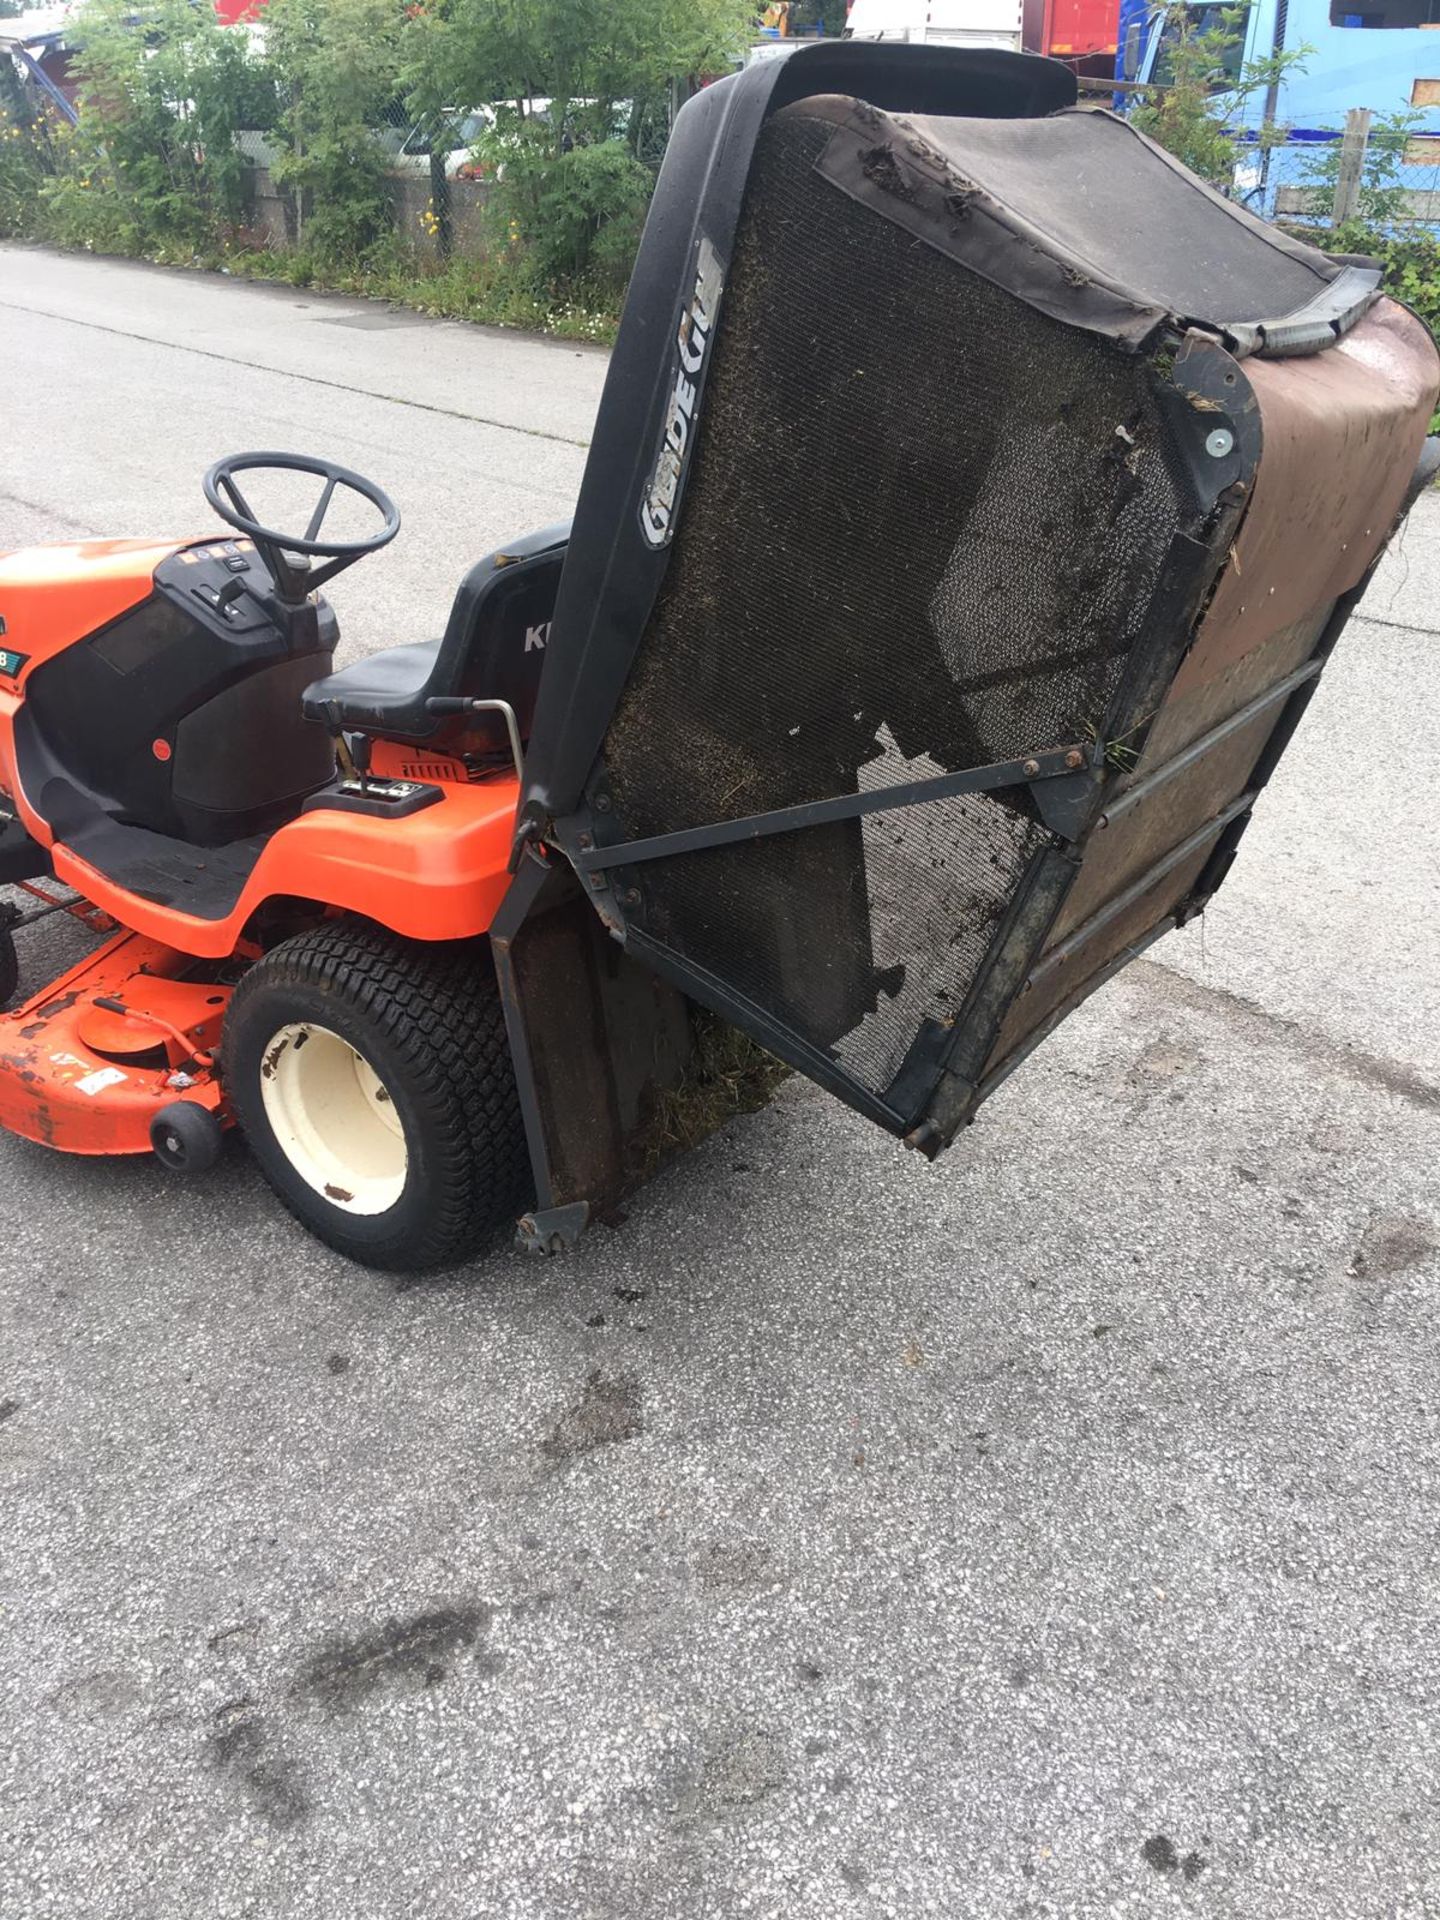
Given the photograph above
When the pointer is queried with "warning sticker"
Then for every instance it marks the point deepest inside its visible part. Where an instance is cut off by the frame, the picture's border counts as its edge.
(98, 1081)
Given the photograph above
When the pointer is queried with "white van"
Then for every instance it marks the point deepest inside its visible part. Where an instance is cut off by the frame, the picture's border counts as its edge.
(954, 23)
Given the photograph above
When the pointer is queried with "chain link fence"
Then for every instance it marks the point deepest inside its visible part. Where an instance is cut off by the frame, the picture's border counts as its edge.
(452, 135)
(440, 166)
(1355, 166)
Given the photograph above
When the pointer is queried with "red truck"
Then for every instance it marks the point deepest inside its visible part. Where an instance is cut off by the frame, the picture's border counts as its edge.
(1083, 33)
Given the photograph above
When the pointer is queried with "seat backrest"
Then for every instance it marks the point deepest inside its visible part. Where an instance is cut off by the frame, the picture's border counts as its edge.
(499, 627)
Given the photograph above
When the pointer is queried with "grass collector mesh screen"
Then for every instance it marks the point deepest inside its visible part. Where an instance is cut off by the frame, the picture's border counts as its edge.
(921, 528)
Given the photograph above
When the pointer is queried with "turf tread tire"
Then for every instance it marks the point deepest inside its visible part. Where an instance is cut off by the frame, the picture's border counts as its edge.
(436, 1010)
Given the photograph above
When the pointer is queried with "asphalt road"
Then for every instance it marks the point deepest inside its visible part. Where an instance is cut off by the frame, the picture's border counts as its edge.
(1049, 1532)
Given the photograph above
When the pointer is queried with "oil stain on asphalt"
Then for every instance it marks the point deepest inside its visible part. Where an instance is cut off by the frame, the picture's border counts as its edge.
(411, 1653)
(1159, 1852)
(736, 1775)
(1392, 1244)
(243, 1750)
(607, 1412)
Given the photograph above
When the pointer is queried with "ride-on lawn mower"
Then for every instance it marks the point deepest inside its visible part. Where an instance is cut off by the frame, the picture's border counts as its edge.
(974, 501)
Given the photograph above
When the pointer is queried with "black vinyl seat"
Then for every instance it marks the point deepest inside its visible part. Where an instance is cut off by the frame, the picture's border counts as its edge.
(493, 648)
(382, 691)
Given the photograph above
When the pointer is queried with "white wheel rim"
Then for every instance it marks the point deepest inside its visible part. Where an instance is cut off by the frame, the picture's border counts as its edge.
(333, 1118)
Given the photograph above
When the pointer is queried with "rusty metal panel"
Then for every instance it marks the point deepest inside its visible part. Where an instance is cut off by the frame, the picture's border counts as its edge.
(1324, 499)
(1063, 977)
(1342, 433)
(1189, 712)
(1131, 838)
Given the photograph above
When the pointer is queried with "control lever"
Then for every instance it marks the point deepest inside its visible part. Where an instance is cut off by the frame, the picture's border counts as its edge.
(360, 758)
(440, 704)
(341, 745)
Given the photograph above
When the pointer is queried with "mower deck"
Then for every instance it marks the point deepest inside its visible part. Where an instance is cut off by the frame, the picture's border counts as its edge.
(91, 1060)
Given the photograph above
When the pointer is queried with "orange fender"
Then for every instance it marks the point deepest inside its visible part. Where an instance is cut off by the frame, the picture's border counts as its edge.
(439, 874)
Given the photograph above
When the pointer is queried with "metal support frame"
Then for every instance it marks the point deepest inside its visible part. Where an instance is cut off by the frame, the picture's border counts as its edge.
(1051, 765)
(512, 729)
(546, 1228)
(1292, 695)
(42, 80)
(956, 1086)
(949, 1101)
(1021, 1053)
(1300, 696)
(552, 1229)
(823, 1068)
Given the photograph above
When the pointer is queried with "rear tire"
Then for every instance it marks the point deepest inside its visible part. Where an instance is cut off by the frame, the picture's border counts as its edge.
(372, 1079)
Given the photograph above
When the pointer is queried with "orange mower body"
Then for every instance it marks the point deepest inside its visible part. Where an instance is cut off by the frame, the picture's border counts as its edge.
(182, 772)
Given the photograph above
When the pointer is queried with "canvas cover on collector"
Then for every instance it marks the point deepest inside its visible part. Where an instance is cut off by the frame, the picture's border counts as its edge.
(975, 498)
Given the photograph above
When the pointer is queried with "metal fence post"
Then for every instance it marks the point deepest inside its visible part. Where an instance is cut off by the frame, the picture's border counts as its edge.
(1353, 143)
(440, 205)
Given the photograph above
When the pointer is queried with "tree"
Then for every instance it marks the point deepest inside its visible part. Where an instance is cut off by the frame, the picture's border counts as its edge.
(1383, 200)
(1198, 109)
(164, 88)
(589, 58)
(570, 179)
(335, 64)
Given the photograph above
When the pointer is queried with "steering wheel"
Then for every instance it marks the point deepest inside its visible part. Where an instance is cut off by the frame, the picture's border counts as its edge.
(222, 490)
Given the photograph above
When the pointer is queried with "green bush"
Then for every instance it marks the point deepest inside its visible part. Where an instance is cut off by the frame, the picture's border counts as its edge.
(490, 290)
(1409, 258)
(566, 222)
(22, 162)
(335, 63)
(571, 183)
(153, 165)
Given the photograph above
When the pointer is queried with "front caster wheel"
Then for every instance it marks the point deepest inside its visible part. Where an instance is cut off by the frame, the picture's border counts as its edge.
(187, 1138)
(372, 1079)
